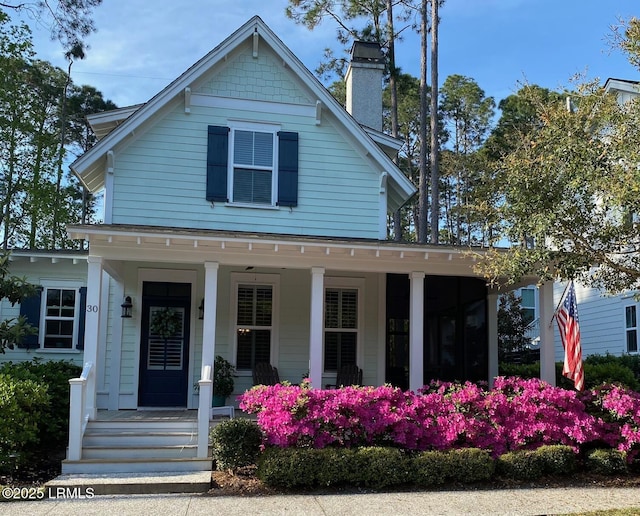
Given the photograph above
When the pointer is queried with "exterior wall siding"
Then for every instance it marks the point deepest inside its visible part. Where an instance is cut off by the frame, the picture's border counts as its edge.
(160, 178)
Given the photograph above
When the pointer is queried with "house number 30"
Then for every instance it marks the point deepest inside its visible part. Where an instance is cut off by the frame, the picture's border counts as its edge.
(92, 308)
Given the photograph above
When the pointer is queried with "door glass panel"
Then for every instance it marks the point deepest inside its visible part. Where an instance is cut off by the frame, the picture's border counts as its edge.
(166, 351)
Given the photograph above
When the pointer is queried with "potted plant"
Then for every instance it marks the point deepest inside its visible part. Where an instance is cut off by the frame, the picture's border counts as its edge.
(222, 381)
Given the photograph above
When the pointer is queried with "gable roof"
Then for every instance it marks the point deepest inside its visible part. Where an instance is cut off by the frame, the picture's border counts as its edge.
(91, 166)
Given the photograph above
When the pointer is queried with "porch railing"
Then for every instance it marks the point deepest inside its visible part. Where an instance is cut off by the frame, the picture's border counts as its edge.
(204, 411)
(78, 411)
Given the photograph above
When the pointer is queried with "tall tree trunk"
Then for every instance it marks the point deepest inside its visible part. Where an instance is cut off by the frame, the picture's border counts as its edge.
(435, 158)
(393, 88)
(422, 186)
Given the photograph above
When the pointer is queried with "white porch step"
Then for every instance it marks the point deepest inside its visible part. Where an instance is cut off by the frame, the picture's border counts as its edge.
(140, 452)
(101, 466)
(133, 483)
(137, 445)
(139, 438)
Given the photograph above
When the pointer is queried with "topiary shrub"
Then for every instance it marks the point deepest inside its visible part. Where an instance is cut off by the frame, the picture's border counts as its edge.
(607, 462)
(557, 459)
(235, 443)
(470, 465)
(520, 465)
(22, 403)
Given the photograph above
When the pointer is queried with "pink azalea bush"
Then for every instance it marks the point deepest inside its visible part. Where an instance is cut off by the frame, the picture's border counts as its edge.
(515, 414)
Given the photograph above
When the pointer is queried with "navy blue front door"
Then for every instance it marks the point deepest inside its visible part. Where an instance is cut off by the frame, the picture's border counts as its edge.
(164, 346)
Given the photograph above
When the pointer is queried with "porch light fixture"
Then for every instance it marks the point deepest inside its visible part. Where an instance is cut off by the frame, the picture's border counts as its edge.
(201, 310)
(126, 308)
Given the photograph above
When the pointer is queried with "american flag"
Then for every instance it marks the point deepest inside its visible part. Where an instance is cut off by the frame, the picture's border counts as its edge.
(567, 319)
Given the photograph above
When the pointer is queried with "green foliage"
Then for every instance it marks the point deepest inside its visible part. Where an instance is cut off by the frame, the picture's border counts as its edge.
(460, 465)
(520, 465)
(607, 462)
(22, 405)
(565, 186)
(14, 289)
(512, 326)
(53, 421)
(235, 443)
(557, 459)
(380, 467)
(376, 467)
(223, 372)
(598, 369)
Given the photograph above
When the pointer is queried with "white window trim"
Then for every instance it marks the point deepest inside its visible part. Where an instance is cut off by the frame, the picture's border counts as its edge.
(258, 127)
(244, 278)
(61, 285)
(625, 348)
(358, 284)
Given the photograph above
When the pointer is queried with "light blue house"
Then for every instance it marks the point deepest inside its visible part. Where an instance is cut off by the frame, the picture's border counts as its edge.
(251, 204)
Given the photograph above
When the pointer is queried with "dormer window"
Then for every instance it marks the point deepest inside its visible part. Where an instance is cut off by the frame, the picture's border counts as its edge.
(252, 165)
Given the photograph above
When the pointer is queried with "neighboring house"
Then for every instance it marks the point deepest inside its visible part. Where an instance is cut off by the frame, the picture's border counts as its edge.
(57, 311)
(248, 201)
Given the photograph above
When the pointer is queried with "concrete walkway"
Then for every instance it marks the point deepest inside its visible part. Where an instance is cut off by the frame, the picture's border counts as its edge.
(494, 502)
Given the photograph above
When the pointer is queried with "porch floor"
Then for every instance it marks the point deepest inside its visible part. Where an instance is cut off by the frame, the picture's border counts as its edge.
(147, 415)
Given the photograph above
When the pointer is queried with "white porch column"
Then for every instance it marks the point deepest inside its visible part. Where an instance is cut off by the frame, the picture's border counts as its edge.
(92, 328)
(547, 345)
(210, 309)
(492, 335)
(316, 326)
(116, 346)
(416, 331)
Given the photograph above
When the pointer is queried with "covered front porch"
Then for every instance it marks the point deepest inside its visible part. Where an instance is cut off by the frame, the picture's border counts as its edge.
(303, 304)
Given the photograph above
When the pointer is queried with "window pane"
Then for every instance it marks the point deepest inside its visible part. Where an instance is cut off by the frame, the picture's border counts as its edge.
(348, 348)
(262, 344)
(632, 341)
(263, 306)
(528, 315)
(263, 149)
(243, 356)
(528, 297)
(245, 305)
(630, 316)
(331, 298)
(243, 148)
(253, 346)
(331, 351)
(349, 318)
(252, 186)
(54, 302)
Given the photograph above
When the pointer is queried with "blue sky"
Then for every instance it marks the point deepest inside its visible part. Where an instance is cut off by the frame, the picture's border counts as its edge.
(142, 45)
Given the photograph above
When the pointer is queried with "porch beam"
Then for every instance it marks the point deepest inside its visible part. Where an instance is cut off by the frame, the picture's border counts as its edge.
(416, 331)
(547, 345)
(316, 327)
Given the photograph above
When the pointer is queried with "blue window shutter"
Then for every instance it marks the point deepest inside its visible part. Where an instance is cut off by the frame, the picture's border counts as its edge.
(30, 308)
(287, 169)
(217, 158)
(82, 317)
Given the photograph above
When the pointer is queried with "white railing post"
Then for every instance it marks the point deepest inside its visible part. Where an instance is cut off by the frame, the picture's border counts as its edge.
(78, 412)
(204, 411)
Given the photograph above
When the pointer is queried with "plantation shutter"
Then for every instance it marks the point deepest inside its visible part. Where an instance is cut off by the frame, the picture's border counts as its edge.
(217, 158)
(287, 169)
(30, 308)
(82, 317)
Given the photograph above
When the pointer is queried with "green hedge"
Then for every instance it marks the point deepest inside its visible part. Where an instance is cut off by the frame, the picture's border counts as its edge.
(381, 467)
(598, 369)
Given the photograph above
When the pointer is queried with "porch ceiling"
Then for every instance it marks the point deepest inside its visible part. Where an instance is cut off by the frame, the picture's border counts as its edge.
(171, 245)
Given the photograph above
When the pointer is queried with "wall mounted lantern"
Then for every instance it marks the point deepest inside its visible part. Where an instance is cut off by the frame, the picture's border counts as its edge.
(126, 308)
(201, 310)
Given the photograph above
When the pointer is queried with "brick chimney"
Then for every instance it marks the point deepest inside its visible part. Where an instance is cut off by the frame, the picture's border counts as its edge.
(364, 84)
